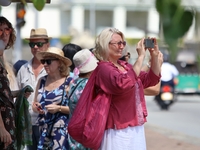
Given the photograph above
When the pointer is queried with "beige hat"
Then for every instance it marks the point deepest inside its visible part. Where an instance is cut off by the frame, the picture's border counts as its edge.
(39, 33)
(54, 52)
(84, 61)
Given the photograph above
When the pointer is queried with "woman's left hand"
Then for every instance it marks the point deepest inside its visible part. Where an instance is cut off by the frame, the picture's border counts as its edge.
(52, 108)
(156, 58)
(154, 52)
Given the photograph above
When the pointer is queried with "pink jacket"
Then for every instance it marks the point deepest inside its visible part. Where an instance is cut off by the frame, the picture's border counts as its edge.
(128, 107)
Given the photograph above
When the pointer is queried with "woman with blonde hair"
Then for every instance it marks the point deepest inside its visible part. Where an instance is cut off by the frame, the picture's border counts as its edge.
(125, 84)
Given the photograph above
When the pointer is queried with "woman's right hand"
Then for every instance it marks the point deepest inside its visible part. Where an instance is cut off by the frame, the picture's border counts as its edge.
(5, 137)
(36, 106)
(141, 48)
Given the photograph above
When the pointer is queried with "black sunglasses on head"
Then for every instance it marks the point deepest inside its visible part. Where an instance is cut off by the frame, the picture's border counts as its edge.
(47, 61)
(39, 44)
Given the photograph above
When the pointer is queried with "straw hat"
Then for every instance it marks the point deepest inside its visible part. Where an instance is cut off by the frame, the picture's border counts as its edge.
(85, 61)
(54, 52)
(39, 33)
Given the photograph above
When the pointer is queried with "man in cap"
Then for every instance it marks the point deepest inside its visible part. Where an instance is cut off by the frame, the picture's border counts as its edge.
(31, 72)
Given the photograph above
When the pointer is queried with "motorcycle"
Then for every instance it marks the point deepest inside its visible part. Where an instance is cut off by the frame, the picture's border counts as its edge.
(167, 95)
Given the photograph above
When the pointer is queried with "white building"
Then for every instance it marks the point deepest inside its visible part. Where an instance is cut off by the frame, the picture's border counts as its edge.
(136, 18)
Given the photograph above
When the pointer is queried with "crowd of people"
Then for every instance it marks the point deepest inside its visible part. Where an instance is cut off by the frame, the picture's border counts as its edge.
(59, 76)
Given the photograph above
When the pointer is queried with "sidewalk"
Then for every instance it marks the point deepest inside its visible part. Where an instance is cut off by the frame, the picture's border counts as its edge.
(164, 140)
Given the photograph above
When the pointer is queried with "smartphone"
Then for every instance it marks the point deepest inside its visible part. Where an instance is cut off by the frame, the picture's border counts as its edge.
(39, 108)
(149, 43)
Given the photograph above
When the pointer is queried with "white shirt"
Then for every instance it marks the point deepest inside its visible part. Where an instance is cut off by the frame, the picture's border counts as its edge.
(168, 71)
(25, 76)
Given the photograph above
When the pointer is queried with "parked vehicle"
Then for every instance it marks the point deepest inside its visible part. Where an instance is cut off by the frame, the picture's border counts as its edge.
(189, 75)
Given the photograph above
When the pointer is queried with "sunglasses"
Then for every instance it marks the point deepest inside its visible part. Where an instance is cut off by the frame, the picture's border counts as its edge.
(5, 30)
(47, 61)
(120, 43)
(39, 44)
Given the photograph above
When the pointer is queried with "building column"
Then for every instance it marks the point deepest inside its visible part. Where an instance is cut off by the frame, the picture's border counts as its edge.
(153, 23)
(77, 18)
(119, 18)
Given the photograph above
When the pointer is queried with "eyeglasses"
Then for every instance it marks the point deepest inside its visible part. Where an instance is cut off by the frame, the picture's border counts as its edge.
(47, 61)
(120, 43)
(39, 44)
(5, 30)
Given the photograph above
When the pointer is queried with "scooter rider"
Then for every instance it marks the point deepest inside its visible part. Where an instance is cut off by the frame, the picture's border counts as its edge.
(168, 71)
(168, 75)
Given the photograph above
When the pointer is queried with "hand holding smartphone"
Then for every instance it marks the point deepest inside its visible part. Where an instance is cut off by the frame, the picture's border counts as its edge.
(149, 43)
(39, 108)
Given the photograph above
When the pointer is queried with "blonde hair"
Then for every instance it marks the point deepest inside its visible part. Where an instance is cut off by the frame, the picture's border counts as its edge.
(11, 75)
(102, 42)
(64, 71)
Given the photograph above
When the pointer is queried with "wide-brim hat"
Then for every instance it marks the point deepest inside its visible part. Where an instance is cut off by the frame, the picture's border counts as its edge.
(39, 33)
(85, 61)
(54, 52)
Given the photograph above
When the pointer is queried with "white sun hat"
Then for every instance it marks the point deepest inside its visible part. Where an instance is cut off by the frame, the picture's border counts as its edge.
(84, 61)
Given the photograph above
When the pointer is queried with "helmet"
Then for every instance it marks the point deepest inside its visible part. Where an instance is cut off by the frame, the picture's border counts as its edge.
(165, 55)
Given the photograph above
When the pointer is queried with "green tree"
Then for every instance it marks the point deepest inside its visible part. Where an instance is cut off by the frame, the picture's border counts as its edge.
(176, 21)
(38, 4)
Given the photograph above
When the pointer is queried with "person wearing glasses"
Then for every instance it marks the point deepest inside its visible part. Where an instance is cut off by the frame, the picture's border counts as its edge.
(51, 100)
(125, 84)
(31, 72)
(8, 110)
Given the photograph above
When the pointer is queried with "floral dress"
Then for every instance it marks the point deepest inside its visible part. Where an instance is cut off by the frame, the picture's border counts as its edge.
(7, 107)
(75, 92)
(53, 127)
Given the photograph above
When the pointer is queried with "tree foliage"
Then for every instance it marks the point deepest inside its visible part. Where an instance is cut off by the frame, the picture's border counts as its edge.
(38, 4)
(176, 21)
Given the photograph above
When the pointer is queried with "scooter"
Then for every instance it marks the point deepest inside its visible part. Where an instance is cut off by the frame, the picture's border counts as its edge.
(167, 96)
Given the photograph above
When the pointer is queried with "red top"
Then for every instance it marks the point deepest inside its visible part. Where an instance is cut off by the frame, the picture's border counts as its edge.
(128, 107)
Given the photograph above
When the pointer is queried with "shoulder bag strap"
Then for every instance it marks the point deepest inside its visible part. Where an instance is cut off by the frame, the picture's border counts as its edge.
(64, 89)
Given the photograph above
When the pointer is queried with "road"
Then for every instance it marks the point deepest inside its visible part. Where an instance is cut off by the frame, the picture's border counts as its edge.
(181, 121)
